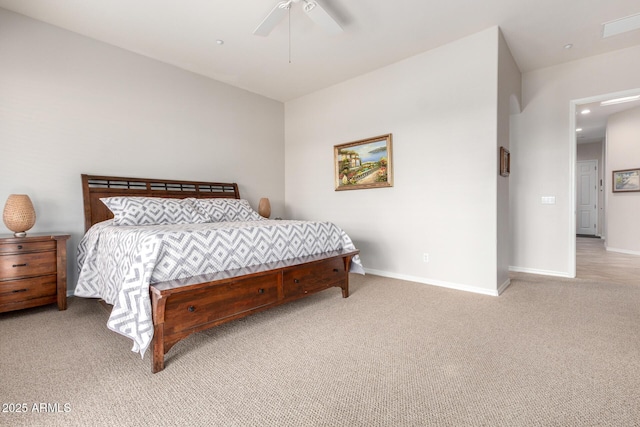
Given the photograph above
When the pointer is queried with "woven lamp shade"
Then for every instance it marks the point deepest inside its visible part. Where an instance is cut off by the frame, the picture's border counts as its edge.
(19, 214)
(264, 207)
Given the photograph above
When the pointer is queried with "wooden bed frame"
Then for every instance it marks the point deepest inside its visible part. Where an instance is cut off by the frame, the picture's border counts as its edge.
(184, 306)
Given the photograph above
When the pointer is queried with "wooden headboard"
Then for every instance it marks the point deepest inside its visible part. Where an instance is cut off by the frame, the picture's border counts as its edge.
(94, 187)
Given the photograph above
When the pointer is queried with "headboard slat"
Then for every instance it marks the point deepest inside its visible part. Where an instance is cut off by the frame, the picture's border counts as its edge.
(95, 187)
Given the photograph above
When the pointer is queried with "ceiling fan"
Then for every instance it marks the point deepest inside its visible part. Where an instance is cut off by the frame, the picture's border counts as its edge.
(312, 9)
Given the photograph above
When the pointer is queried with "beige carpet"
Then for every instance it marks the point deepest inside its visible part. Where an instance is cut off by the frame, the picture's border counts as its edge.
(548, 352)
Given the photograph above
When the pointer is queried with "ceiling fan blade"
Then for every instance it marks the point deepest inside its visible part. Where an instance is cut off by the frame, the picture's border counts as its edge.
(272, 19)
(321, 17)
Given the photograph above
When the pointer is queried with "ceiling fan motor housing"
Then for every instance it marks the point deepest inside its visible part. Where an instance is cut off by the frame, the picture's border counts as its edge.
(311, 7)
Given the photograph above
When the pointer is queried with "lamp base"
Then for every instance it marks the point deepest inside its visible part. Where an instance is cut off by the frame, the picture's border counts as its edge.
(20, 233)
(264, 208)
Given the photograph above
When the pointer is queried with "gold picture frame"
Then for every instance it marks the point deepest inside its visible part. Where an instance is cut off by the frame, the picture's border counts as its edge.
(505, 162)
(364, 164)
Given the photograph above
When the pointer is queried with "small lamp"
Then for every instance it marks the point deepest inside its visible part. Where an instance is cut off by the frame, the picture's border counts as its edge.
(19, 214)
(264, 207)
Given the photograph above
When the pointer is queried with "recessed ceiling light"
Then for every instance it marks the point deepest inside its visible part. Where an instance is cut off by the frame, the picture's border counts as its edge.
(585, 111)
(220, 42)
(620, 100)
(568, 46)
(579, 130)
(621, 25)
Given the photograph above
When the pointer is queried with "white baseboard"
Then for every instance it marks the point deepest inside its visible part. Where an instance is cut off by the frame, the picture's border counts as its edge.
(504, 286)
(541, 272)
(439, 283)
(622, 251)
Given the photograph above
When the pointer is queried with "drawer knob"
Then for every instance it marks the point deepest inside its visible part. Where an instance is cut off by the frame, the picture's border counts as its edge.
(19, 246)
(261, 291)
(19, 265)
(296, 281)
(191, 308)
(335, 270)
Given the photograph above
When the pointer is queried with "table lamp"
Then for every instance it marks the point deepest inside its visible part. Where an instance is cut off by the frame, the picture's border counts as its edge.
(264, 207)
(19, 214)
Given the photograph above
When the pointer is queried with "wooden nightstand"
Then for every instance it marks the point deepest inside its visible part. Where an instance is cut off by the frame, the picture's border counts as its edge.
(33, 271)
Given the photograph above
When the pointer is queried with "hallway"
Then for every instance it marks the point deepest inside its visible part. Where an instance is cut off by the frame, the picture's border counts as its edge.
(595, 263)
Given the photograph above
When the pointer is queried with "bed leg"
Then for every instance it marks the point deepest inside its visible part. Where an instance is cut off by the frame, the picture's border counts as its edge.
(345, 284)
(345, 290)
(158, 303)
(158, 349)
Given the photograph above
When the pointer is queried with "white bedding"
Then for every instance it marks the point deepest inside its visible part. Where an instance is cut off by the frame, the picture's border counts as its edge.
(118, 263)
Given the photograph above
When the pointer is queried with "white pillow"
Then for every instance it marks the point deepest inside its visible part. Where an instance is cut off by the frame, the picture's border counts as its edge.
(154, 210)
(219, 210)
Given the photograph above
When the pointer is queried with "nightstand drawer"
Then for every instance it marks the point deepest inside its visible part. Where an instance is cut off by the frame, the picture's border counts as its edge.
(24, 289)
(30, 264)
(33, 271)
(18, 248)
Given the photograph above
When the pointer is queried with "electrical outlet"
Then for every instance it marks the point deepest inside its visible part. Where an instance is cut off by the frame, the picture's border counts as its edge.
(425, 257)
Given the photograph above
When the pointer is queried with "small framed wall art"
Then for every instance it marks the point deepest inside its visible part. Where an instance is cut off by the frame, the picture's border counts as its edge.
(363, 164)
(505, 162)
(627, 180)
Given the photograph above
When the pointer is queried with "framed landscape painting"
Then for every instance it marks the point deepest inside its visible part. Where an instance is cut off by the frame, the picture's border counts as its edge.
(626, 180)
(363, 164)
(505, 162)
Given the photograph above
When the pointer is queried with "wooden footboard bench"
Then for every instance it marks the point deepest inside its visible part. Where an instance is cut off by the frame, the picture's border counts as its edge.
(182, 307)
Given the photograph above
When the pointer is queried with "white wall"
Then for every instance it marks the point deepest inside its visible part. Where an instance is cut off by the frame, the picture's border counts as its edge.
(72, 105)
(623, 152)
(590, 151)
(441, 107)
(543, 156)
(509, 99)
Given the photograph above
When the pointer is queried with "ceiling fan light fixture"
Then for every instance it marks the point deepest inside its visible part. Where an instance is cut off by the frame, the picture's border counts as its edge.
(311, 7)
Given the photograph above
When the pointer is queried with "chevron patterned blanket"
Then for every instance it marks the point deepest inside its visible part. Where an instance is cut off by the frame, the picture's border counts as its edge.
(118, 263)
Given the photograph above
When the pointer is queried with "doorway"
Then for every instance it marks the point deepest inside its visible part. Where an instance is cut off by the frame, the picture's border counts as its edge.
(590, 127)
(587, 198)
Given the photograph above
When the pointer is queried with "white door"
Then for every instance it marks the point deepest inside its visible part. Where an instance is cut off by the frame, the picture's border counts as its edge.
(587, 197)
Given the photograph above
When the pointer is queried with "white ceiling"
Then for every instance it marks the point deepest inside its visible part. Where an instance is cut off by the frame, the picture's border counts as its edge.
(376, 33)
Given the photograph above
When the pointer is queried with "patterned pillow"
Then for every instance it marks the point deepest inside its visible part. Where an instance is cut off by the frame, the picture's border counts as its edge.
(154, 210)
(219, 210)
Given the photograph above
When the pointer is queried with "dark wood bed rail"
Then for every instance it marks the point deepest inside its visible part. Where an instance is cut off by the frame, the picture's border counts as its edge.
(185, 306)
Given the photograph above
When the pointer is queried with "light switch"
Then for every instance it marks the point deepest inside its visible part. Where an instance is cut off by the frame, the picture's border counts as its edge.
(548, 200)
